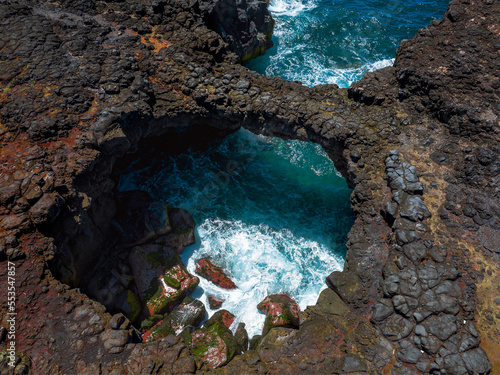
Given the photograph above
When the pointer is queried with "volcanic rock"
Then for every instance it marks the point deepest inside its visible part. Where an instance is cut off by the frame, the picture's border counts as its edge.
(139, 219)
(206, 269)
(280, 310)
(214, 344)
(182, 234)
(161, 278)
(85, 84)
(242, 337)
(215, 302)
(223, 317)
(190, 313)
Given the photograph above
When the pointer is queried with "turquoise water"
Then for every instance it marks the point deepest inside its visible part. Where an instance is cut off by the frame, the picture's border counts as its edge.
(337, 41)
(274, 214)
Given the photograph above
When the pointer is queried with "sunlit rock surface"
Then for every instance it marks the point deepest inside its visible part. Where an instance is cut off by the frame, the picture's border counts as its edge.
(83, 82)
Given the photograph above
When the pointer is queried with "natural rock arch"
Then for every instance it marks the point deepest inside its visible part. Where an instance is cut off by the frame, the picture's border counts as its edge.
(84, 82)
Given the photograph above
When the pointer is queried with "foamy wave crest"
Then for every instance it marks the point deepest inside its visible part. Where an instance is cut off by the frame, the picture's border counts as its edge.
(260, 260)
(310, 71)
(290, 8)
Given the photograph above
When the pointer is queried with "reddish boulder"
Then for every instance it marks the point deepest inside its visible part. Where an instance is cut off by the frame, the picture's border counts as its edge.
(281, 311)
(223, 317)
(215, 302)
(214, 344)
(206, 269)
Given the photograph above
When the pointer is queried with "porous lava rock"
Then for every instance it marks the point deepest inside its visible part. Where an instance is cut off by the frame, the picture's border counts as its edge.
(247, 26)
(85, 83)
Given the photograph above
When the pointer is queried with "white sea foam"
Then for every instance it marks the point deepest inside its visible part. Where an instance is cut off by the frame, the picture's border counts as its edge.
(290, 8)
(260, 260)
(311, 71)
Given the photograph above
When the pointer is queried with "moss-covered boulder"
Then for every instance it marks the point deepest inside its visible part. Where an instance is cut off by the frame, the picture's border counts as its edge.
(223, 317)
(129, 303)
(162, 279)
(254, 342)
(188, 315)
(215, 344)
(206, 269)
(281, 311)
(150, 321)
(161, 329)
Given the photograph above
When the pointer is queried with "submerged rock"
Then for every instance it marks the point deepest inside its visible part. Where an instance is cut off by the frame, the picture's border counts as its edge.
(206, 269)
(281, 311)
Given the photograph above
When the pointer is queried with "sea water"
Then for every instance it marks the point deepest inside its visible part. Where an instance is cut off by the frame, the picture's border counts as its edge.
(337, 41)
(273, 214)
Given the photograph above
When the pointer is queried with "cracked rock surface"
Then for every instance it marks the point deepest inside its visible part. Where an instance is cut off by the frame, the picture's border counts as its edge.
(83, 83)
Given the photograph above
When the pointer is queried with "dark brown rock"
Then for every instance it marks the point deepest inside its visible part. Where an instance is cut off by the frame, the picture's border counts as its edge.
(84, 83)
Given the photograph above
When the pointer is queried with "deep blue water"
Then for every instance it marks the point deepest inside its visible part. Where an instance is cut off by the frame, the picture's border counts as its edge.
(337, 41)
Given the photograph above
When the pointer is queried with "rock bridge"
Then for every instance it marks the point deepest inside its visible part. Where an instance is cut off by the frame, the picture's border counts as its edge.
(84, 83)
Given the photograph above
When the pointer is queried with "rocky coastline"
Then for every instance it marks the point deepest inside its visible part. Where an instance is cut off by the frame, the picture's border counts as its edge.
(85, 84)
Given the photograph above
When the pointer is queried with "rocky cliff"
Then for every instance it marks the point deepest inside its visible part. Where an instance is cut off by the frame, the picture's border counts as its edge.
(85, 82)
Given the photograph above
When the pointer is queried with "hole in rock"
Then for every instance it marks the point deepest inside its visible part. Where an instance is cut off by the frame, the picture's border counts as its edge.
(272, 214)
